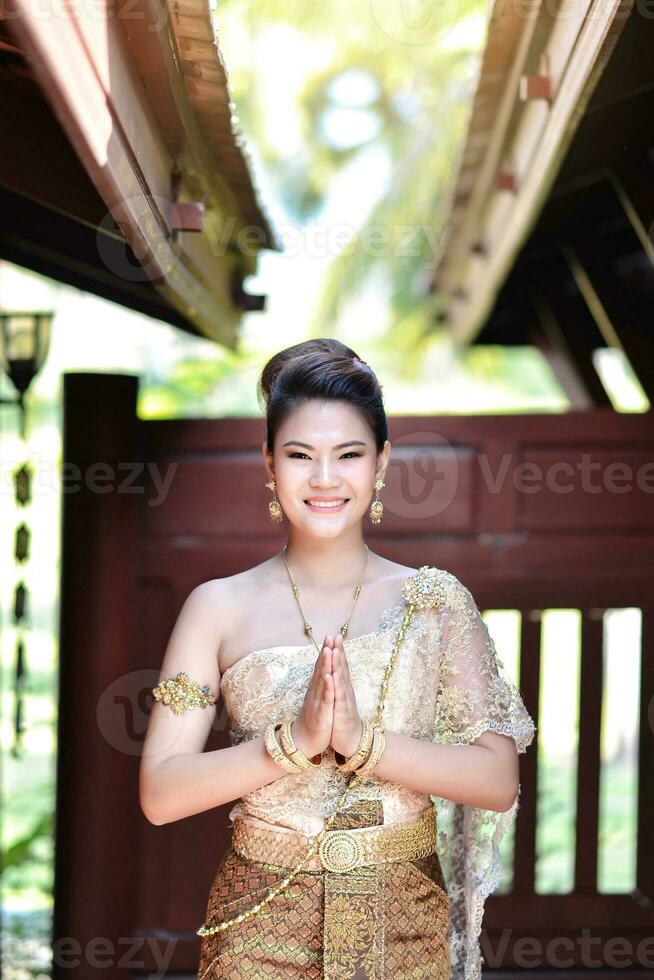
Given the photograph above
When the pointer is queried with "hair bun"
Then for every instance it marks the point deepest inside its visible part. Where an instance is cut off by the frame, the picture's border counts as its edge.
(321, 368)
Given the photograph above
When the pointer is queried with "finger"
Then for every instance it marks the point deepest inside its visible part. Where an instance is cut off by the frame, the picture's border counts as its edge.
(327, 660)
(338, 693)
(345, 692)
(343, 665)
(329, 688)
(336, 684)
(346, 662)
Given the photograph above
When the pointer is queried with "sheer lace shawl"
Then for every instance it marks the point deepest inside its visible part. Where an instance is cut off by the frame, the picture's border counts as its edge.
(474, 695)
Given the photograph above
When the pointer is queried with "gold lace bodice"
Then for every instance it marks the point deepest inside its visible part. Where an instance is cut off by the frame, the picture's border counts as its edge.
(448, 686)
(269, 685)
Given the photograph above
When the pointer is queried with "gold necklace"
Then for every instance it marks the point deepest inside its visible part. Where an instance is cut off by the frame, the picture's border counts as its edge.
(308, 629)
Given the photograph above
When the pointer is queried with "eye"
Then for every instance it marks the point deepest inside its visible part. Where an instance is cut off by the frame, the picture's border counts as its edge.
(297, 453)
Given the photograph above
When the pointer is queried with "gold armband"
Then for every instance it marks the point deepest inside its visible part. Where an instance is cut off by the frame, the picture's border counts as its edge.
(181, 693)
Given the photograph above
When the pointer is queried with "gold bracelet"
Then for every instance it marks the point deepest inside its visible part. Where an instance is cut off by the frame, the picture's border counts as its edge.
(274, 751)
(362, 751)
(291, 749)
(378, 746)
(181, 693)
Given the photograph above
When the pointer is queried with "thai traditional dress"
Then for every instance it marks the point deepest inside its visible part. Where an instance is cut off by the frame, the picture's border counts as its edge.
(418, 918)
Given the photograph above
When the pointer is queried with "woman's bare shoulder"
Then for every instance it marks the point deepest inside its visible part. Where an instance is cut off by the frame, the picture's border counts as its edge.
(393, 570)
(224, 591)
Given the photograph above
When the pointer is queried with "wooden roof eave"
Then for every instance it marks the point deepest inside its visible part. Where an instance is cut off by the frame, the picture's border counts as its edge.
(207, 86)
(185, 76)
(100, 97)
(514, 161)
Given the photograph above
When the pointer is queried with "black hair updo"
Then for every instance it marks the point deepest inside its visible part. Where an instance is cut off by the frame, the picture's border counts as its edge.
(325, 369)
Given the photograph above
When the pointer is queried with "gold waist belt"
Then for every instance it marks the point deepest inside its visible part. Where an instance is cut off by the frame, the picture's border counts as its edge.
(339, 850)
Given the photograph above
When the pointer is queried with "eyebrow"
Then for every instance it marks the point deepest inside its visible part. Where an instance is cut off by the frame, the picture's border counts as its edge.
(341, 445)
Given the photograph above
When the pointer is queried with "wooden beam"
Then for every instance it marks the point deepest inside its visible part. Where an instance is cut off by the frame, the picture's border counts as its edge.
(570, 331)
(524, 869)
(31, 235)
(570, 361)
(633, 179)
(644, 891)
(619, 323)
(588, 755)
(39, 162)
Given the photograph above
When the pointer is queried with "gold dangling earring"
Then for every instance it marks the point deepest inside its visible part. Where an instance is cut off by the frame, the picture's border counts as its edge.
(274, 506)
(376, 507)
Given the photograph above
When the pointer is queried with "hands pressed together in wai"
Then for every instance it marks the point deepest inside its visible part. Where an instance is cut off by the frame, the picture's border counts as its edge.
(329, 715)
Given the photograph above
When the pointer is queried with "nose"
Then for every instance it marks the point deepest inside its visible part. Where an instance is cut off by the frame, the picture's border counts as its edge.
(323, 474)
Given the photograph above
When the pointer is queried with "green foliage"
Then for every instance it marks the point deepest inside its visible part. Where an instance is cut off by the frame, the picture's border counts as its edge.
(420, 73)
(23, 850)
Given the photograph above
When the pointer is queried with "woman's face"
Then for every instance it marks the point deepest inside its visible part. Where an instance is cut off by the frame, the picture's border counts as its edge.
(325, 452)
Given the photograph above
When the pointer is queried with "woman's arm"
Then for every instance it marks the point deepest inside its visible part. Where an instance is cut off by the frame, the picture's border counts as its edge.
(177, 778)
(483, 774)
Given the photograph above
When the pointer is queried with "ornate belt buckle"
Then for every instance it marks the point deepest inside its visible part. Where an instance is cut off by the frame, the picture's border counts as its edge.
(339, 850)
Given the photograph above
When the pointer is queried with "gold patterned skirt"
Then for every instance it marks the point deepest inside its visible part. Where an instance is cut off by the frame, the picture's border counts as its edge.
(374, 922)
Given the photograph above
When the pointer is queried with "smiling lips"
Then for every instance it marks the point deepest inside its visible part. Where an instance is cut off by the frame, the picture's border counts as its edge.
(326, 503)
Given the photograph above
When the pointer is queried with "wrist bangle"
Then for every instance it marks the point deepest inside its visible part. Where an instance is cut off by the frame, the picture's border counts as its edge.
(274, 751)
(378, 746)
(362, 751)
(290, 748)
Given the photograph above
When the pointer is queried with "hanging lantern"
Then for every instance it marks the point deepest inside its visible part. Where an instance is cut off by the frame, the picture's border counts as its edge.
(24, 343)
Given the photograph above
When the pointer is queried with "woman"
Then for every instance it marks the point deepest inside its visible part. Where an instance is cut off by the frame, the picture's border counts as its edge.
(375, 770)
